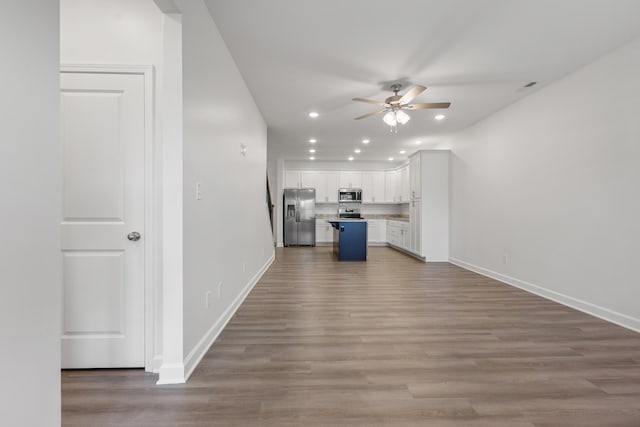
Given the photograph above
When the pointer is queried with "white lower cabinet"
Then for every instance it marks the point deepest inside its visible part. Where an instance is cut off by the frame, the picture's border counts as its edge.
(398, 234)
(376, 231)
(324, 232)
(415, 222)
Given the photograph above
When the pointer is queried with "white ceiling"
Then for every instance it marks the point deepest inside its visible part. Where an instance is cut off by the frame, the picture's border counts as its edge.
(298, 56)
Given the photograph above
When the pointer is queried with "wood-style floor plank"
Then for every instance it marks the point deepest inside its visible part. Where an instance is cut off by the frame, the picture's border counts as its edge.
(389, 342)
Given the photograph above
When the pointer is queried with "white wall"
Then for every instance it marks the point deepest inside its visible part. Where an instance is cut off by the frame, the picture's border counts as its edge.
(227, 236)
(30, 214)
(122, 32)
(553, 182)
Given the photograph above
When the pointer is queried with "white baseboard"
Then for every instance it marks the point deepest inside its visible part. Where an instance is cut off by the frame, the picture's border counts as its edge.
(195, 356)
(408, 252)
(584, 306)
(171, 374)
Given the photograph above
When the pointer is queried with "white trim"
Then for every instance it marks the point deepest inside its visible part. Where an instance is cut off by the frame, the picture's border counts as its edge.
(409, 252)
(171, 373)
(150, 214)
(157, 363)
(578, 304)
(195, 356)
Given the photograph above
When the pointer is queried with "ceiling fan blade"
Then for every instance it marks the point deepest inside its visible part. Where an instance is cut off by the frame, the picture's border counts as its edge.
(429, 105)
(368, 101)
(412, 93)
(370, 114)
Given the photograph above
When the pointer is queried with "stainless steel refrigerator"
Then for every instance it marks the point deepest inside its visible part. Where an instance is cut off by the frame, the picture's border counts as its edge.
(299, 217)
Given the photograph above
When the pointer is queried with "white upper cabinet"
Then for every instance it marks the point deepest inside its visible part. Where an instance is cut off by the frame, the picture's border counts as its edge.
(373, 188)
(405, 192)
(325, 183)
(309, 179)
(292, 179)
(350, 180)
(415, 176)
(331, 186)
(392, 186)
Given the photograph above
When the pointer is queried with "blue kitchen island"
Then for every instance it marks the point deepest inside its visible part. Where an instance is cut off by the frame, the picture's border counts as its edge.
(350, 239)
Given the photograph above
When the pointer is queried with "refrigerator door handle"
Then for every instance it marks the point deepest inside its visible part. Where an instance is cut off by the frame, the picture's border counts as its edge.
(297, 212)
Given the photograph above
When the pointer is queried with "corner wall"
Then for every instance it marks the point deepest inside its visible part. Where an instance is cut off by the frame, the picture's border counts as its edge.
(227, 235)
(30, 185)
(545, 192)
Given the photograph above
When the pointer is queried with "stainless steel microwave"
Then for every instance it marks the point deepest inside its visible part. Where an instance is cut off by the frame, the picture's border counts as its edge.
(350, 195)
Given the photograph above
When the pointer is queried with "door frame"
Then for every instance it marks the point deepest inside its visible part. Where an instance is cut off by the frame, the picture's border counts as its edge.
(151, 203)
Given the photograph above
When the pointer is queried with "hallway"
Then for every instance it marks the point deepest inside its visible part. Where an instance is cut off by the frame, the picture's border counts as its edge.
(392, 341)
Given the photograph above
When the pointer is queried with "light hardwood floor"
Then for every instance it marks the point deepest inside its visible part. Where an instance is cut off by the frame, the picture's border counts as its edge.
(389, 342)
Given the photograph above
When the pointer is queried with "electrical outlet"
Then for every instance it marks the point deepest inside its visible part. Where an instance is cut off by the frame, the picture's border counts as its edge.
(505, 259)
(219, 290)
(207, 296)
(198, 191)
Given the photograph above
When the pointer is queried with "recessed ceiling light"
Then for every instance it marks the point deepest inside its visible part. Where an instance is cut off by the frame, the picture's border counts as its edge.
(357, 151)
(312, 158)
(350, 158)
(313, 140)
(390, 159)
(365, 141)
(418, 142)
(439, 116)
(402, 151)
(313, 114)
(312, 151)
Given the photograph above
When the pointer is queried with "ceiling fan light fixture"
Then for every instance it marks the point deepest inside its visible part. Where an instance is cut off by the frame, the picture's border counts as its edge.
(390, 119)
(402, 117)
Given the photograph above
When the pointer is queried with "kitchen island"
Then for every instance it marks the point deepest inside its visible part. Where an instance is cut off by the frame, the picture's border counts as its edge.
(349, 239)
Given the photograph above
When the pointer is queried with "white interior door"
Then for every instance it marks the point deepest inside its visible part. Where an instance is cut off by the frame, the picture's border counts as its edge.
(102, 130)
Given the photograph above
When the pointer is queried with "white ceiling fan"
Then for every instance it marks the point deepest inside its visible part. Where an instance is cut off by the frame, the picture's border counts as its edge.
(394, 106)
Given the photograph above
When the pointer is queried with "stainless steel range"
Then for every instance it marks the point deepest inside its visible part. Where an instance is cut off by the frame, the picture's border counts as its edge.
(349, 211)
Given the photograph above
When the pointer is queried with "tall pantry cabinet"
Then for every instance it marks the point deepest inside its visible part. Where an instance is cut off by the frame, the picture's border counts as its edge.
(429, 205)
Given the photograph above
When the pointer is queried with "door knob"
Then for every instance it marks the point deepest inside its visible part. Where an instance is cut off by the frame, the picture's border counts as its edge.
(134, 236)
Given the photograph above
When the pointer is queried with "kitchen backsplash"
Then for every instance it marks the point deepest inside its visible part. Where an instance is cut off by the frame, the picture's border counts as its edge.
(366, 209)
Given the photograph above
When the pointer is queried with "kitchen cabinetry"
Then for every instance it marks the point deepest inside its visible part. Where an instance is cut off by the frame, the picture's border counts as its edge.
(325, 183)
(415, 226)
(429, 210)
(391, 186)
(377, 233)
(398, 234)
(324, 232)
(405, 193)
(373, 187)
(292, 179)
(350, 179)
(414, 177)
